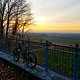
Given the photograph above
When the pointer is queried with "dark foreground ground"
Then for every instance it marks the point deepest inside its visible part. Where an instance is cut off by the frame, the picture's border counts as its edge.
(8, 72)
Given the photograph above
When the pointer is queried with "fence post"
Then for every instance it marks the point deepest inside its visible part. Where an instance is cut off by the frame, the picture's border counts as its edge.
(16, 42)
(0, 43)
(46, 60)
(5, 44)
(8, 42)
(28, 45)
(76, 61)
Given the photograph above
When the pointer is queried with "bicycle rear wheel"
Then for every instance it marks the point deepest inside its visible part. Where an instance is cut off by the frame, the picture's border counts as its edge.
(15, 55)
(31, 60)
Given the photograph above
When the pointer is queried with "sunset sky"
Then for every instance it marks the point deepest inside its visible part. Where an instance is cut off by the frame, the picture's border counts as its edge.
(56, 15)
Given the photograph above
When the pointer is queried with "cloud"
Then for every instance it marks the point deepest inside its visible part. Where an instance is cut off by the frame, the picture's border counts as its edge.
(53, 12)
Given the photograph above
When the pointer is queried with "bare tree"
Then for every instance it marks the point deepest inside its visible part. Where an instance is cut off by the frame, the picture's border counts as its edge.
(13, 15)
(24, 16)
(3, 4)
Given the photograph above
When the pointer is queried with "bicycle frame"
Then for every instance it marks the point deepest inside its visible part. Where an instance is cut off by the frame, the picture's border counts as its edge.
(28, 57)
(21, 50)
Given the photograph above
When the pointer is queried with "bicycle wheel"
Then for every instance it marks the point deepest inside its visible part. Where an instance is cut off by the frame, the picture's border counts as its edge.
(31, 60)
(15, 55)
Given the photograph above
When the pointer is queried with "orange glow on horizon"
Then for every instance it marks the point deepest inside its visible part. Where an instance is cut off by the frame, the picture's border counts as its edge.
(43, 24)
(56, 28)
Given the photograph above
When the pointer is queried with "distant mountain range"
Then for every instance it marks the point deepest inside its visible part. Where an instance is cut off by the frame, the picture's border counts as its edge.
(55, 34)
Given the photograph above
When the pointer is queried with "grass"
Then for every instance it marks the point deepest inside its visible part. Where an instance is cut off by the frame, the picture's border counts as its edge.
(58, 39)
(61, 62)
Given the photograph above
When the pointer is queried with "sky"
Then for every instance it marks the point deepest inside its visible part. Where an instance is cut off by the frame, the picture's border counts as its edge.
(56, 15)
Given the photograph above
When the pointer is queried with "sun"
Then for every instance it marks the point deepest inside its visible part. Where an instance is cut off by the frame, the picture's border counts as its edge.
(40, 20)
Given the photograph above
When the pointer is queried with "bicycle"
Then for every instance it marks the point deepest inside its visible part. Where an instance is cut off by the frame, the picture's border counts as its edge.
(28, 57)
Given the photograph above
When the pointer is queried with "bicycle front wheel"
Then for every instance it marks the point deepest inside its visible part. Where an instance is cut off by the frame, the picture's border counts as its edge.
(31, 60)
(15, 55)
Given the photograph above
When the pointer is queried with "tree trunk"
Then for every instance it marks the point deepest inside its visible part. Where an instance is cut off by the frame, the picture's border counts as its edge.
(8, 15)
(1, 28)
(7, 27)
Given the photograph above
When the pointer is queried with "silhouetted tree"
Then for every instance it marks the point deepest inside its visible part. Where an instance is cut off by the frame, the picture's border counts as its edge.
(3, 4)
(23, 16)
(13, 15)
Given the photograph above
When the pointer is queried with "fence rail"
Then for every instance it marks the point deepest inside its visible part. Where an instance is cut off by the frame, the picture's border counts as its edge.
(59, 58)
